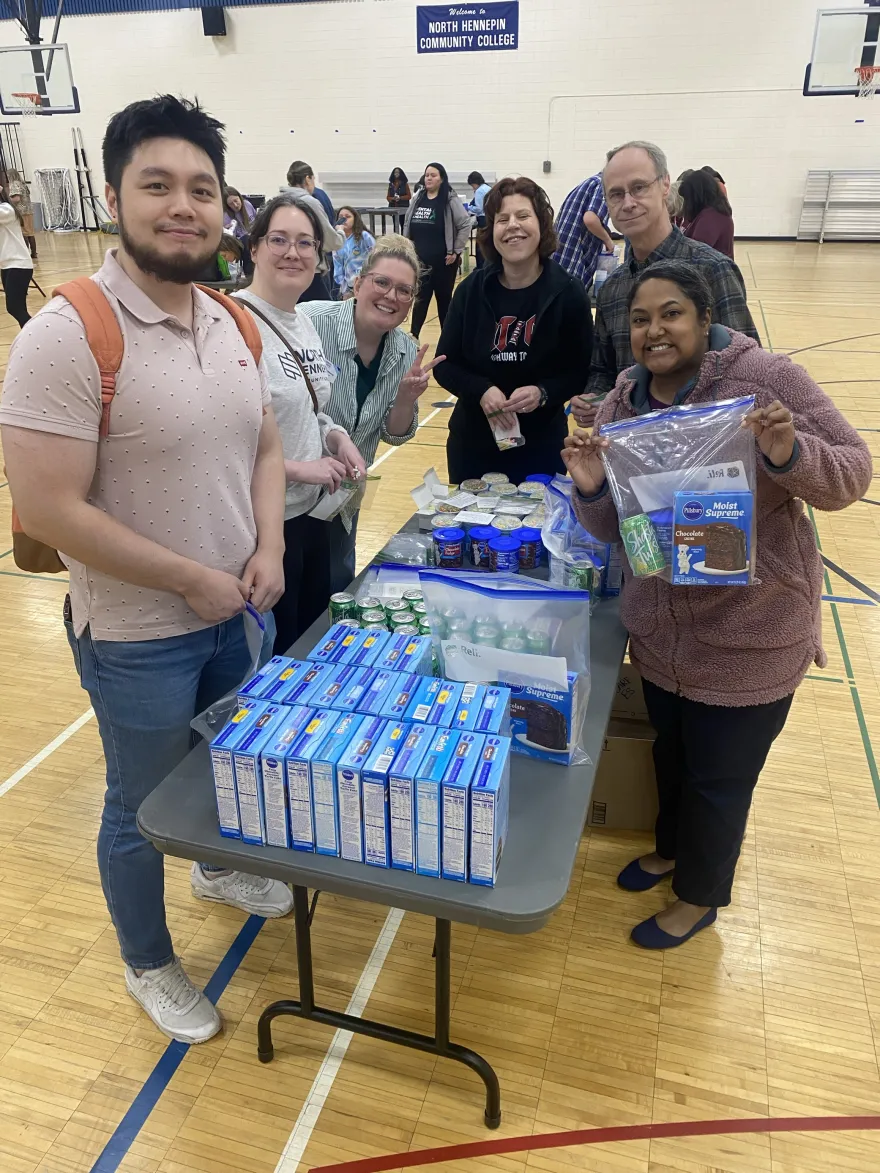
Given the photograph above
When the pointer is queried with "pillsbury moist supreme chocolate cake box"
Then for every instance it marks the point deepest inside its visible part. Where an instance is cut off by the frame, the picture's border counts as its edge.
(545, 722)
(712, 539)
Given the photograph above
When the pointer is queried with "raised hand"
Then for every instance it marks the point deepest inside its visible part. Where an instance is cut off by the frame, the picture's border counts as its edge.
(773, 427)
(415, 381)
(583, 460)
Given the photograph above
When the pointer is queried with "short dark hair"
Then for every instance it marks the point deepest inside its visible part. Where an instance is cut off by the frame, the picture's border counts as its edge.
(298, 172)
(712, 171)
(162, 117)
(476, 177)
(540, 201)
(699, 191)
(688, 278)
(263, 218)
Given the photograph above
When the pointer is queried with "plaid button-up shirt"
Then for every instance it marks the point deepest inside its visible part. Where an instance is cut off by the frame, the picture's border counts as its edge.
(579, 250)
(611, 349)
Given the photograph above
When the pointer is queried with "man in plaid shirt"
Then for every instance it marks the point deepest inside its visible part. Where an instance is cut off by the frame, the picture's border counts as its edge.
(582, 228)
(636, 180)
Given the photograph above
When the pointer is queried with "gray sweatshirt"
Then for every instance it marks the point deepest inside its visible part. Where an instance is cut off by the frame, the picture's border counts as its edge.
(302, 431)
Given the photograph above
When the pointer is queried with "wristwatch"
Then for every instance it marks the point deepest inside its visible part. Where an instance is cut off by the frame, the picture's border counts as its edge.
(544, 396)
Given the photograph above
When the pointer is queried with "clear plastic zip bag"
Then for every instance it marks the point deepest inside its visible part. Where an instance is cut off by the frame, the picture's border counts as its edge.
(260, 632)
(693, 459)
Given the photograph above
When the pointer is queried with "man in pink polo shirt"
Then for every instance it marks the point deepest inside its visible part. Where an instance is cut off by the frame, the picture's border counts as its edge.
(169, 523)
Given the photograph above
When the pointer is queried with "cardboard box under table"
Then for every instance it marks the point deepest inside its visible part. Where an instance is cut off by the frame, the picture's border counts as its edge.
(548, 810)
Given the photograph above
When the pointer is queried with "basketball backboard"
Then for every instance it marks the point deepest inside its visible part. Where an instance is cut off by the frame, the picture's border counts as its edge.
(36, 79)
(845, 38)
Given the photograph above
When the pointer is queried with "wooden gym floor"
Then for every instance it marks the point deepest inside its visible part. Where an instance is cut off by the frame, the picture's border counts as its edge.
(774, 1013)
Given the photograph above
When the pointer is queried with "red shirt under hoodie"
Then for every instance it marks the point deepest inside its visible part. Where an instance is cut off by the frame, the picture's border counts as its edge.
(744, 645)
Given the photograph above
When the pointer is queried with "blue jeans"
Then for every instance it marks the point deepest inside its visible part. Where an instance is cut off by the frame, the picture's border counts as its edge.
(145, 694)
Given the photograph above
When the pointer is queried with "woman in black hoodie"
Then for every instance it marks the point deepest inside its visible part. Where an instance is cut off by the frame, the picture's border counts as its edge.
(517, 341)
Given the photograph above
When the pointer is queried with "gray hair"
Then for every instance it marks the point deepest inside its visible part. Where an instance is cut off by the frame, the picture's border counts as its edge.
(653, 152)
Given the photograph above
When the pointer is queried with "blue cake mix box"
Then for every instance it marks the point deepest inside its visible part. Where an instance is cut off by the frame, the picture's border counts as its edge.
(494, 714)
(455, 803)
(546, 722)
(428, 806)
(367, 650)
(335, 644)
(434, 702)
(303, 684)
(343, 688)
(376, 794)
(298, 763)
(406, 653)
(490, 804)
(400, 697)
(402, 794)
(342, 729)
(248, 781)
(467, 710)
(284, 680)
(712, 542)
(273, 772)
(376, 695)
(222, 747)
(349, 787)
(267, 675)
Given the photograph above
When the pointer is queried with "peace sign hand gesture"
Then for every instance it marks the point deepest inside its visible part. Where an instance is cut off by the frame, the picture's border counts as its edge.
(415, 381)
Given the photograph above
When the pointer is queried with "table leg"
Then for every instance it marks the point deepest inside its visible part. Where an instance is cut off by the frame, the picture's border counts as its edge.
(305, 1007)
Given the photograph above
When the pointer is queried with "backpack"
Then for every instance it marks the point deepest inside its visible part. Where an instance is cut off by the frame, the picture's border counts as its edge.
(104, 337)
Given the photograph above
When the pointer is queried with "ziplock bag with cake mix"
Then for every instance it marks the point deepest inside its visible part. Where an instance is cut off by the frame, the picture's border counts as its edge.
(534, 638)
(684, 484)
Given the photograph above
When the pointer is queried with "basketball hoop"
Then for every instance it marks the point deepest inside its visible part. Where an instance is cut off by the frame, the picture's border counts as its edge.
(869, 79)
(28, 103)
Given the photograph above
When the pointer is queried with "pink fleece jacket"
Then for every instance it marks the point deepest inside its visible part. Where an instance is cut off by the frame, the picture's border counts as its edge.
(745, 645)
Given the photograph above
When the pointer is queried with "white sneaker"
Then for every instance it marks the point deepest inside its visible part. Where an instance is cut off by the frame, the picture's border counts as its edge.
(252, 894)
(175, 1005)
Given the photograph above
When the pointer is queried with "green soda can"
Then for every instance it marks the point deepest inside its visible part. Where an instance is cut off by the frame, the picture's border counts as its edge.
(342, 606)
(419, 609)
(374, 618)
(425, 628)
(349, 622)
(451, 613)
(538, 642)
(581, 575)
(368, 604)
(407, 629)
(413, 596)
(512, 628)
(641, 545)
(394, 607)
(460, 627)
(486, 634)
(513, 643)
(374, 627)
(403, 619)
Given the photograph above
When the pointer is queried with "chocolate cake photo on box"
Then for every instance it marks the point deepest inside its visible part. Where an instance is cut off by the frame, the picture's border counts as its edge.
(713, 536)
(546, 722)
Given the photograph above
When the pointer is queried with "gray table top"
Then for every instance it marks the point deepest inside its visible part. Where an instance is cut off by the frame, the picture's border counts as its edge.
(548, 808)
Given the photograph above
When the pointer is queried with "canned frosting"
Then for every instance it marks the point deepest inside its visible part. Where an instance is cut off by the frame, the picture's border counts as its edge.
(504, 554)
(449, 548)
(531, 548)
(481, 536)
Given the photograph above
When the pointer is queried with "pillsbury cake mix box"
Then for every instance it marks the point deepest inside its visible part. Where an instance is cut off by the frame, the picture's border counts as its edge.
(305, 683)
(375, 794)
(455, 800)
(713, 539)
(299, 780)
(398, 700)
(273, 680)
(342, 730)
(349, 787)
(545, 722)
(494, 714)
(434, 703)
(428, 803)
(248, 777)
(222, 763)
(490, 803)
(367, 650)
(344, 688)
(273, 772)
(335, 645)
(406, 653)
(402, 794)
(381, 687)
(467, 710)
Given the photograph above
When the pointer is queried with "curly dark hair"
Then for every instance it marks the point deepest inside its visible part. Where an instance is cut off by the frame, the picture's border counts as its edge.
(543, 210)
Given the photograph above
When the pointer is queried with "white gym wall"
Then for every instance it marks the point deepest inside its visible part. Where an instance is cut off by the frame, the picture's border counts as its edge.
(340, 84)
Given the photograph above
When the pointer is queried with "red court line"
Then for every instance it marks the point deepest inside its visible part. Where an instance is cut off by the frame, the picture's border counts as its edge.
(559, 1140)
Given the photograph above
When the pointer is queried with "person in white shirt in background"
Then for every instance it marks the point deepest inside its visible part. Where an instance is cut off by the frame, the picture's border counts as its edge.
(285, 242)
(16, 264)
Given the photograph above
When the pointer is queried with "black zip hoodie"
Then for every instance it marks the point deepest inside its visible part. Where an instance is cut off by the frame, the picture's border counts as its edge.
(558, 358)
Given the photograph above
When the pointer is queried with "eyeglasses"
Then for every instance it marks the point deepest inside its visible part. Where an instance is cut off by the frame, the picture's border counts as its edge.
(281, 245)
(405, 293)
(638, 191)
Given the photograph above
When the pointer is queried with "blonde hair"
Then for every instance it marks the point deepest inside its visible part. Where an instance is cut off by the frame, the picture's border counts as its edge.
(393, 248)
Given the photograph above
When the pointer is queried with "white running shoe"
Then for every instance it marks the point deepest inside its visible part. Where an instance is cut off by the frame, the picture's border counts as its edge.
(175, 1005)
(252, 894)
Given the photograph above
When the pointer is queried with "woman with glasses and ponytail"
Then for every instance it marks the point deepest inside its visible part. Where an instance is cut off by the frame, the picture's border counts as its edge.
(285, 243)
(379, 374)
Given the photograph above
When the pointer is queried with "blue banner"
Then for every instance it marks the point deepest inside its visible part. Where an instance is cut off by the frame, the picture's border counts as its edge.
(467, 28)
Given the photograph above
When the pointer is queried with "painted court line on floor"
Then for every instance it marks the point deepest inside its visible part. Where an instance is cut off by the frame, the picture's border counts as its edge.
(583, 1136)
(310, 1112)
(396, 447)
(45, 752)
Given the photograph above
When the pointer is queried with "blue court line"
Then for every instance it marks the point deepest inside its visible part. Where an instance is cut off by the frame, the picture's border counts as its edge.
(172, 1057)
(857, 602)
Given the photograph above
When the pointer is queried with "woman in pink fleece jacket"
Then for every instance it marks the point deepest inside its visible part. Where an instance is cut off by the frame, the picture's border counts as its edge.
(719, 664)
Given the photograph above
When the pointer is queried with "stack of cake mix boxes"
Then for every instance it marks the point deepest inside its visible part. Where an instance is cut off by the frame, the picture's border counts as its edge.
(358, 753)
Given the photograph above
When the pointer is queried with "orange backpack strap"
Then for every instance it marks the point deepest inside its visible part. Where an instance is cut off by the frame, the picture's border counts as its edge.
(103, 335)
(250, 331)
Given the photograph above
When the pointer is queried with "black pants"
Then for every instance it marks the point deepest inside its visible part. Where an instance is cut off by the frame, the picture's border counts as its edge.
(438, 280)
(707, 759)
(471, 452)
(306, 579)
(342, 554)
(15, 286)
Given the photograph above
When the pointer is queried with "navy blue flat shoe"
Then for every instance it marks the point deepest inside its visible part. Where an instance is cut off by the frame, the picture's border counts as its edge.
(650, 936)
(634, 878)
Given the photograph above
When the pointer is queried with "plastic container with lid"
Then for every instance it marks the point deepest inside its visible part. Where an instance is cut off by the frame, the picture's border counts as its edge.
(543, 477)
(481, 536)
(506, 524)
(504, 554)
(531, 549)
(449, 548)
